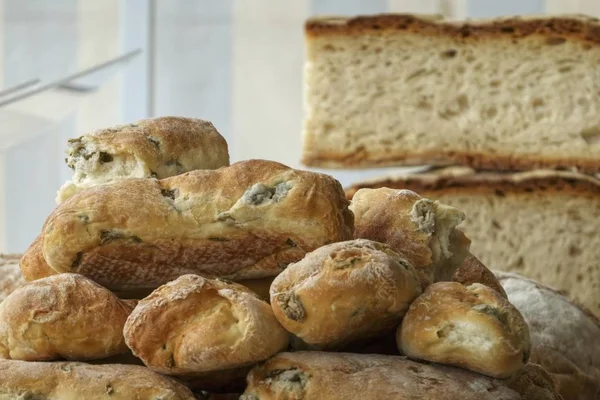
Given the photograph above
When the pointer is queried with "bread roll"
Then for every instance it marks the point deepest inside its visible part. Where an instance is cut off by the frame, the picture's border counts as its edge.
(63, 316)
(421, 230)
(246, 221)
(33, 265)
(343, 376)
(472, 327)
(73, 380)
(565, 336)
(343, 292)
(150, 148)
(473, 271)
(10, 274)
(193, 327)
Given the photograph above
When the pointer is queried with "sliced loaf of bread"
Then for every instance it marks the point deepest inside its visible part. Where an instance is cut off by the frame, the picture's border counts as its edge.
(542, 224)
(512, 93)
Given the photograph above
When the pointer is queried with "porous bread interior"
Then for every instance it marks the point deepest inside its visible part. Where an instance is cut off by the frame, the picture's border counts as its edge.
(403, 95)
(552, 238)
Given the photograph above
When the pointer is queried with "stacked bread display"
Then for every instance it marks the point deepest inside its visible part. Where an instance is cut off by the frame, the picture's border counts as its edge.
(188, 249)
(505, 97)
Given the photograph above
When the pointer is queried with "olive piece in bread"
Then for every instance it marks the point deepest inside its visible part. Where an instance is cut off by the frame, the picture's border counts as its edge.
(344, 292)
(472, 327)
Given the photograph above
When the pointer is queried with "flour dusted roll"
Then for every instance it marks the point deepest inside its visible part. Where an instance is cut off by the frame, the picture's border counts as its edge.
(565, 336)
(199, 328)
(63, 316)
(150, 148)
(472, 327)
(422, 230)
(344, 376)
(246, 221)
(473, 271)
(73, 380)
(343, 292)
(10, 274)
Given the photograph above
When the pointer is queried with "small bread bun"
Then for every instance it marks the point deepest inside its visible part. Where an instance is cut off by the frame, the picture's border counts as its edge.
(192, 327)
(63, 316)
(343, 292)
(421, 230)
(33, 264)
(472, 327)
(473, 271)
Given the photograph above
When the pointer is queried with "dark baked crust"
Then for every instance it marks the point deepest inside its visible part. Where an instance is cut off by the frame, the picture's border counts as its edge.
(473, 271)
(478, 160)
(585, 29)
(444, 181)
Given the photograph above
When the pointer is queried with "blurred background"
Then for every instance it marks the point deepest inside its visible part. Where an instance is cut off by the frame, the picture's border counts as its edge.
(71, 66)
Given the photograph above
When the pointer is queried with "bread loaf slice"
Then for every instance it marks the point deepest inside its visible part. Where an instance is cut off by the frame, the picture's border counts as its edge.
(150, 148)
(541, 224)
(343, 376)
(245, 221)
(512, 93)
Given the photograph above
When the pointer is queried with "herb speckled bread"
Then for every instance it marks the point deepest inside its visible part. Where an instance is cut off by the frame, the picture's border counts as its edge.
(150, 148)
(245, 221)
(541, 224)
(511, 93)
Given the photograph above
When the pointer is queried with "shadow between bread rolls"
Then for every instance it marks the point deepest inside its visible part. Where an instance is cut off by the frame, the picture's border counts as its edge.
(206, 332)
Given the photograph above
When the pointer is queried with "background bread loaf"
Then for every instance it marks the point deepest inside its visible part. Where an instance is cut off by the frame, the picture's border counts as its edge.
(245, 221)
(473, 271)
(63, 316)
(343, 292)
(565, 336)
(342, 376)
(200, 328)
(151, 148)
(510, 93)
(421, 230)
(73, 380)
(541, 224)
(472, 327)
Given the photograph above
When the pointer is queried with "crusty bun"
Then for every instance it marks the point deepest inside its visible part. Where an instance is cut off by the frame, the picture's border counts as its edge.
(150, 148)
(193, 327)
(63, 316)
(565, 336)
(421, 230)
(33, 265)
(473, 271)
(472, 327)
(73, 380)
(10, 274)
(344, 376)
(343, 292)
(245, 221)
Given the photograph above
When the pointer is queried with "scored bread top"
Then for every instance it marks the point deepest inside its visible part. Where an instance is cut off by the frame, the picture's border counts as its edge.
(451, 178)
(557, 28)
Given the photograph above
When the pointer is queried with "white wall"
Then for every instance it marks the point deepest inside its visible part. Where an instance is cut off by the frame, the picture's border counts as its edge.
(237, 63)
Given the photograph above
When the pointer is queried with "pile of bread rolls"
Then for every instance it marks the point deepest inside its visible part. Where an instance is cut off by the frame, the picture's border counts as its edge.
(166, 273)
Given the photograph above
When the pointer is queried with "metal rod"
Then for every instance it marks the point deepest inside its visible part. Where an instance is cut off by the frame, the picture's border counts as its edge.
(19, 87)
(51, 85)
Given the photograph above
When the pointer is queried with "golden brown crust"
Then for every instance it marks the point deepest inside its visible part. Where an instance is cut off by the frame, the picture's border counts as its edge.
(419, 229)
(473, 271)
(245, 221)
(452, 179)
(342, 376)
(585, 29)
(10, 274)
(343, 292)
(63, 316)
(478, 160)
(472, 327)
(196, 327)
(73, 380)
(33, 265)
